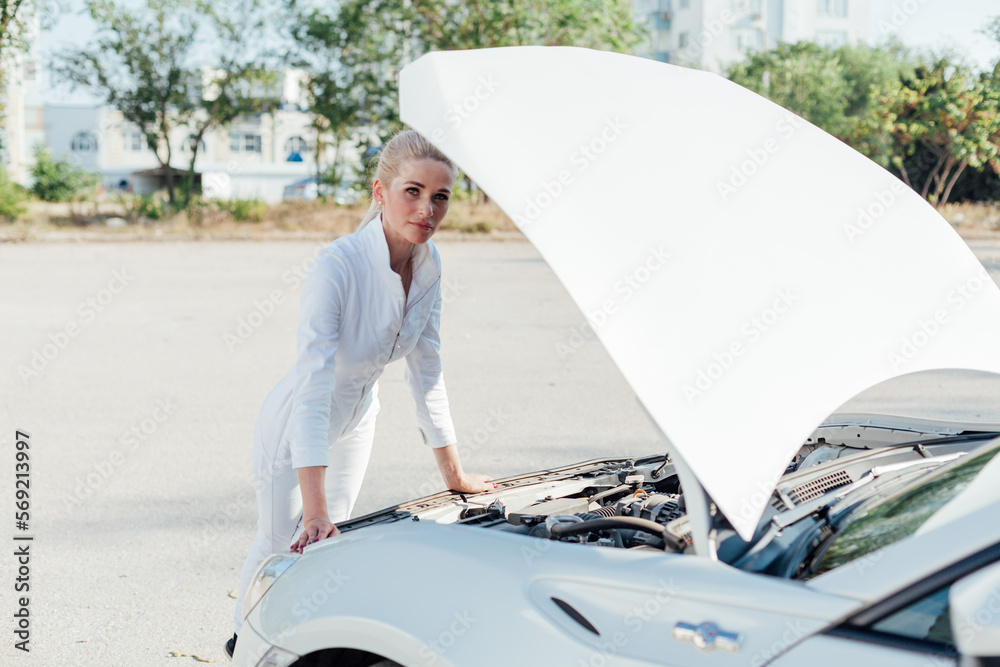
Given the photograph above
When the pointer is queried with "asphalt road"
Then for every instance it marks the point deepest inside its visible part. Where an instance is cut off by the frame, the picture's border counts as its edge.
(141, 404)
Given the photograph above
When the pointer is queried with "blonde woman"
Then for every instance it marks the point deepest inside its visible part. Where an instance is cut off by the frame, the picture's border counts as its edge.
(370, 298)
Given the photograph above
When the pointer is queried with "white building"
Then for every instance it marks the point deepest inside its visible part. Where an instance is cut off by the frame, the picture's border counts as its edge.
(253, 158)
(713, 34)
(22, 100)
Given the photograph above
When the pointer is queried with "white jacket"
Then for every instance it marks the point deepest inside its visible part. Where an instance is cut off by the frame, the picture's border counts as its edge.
(355, 319)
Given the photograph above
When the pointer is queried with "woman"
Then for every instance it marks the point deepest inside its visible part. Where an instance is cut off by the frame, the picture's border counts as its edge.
(369, 298)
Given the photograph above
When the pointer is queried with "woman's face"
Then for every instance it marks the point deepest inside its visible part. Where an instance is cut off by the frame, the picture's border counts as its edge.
(416, 201)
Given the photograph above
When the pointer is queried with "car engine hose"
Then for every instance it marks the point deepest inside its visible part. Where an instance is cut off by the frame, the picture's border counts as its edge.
(617, 522)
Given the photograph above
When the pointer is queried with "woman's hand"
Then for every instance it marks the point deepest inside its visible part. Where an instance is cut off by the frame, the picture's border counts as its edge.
(473, 483)
(316, 521)
(455, 478)
(315, 530)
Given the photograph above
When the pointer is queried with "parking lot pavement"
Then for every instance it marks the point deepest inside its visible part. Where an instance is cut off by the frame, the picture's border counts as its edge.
(138, 369)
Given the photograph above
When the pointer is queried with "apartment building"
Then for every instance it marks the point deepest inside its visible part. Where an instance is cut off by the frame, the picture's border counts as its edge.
(713, 34)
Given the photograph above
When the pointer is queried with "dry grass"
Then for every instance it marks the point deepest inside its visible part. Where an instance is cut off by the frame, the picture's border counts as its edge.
(322, 220)
(288, 220)
(973, 219)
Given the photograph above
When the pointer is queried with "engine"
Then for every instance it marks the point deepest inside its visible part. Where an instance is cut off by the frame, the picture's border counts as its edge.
(629, 516)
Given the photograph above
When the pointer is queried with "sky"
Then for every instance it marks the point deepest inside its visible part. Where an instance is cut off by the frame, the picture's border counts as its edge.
(924, 24)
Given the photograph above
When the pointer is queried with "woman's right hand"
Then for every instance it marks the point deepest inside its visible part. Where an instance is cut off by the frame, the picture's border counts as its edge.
(315, 530)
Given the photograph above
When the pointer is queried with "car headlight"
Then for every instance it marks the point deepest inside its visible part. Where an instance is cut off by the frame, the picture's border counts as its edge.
(276, 657)
(268, 572)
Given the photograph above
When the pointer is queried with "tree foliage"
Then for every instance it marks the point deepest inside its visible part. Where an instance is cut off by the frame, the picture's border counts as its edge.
(928, 119)
(13, 198)
(600, 24)
(831, 88)
(351, 59)
(938, 121)
(143, 64)
(353, 51)
(59, 180)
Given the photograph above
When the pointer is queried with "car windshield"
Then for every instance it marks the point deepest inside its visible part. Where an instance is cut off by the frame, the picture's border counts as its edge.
(902, 513)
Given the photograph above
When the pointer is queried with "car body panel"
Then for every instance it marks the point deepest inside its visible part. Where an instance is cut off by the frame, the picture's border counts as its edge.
(827, 651)
(437, 581)
(634, 598)
(740, 316)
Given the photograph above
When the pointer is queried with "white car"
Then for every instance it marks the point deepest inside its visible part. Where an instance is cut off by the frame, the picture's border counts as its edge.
(880, 546)
(768, 533)
(307, 189)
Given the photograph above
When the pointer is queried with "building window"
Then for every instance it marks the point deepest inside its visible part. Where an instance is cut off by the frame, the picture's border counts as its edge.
(295, 147)
(746, 6)
(682, 40)
(84, 142)
(833, 39)
(190, 144)
(836, 8)
(748, 39)
(243, 142)
(133, 140)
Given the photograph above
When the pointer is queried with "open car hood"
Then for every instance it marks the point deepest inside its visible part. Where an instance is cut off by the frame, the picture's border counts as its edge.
(747, 272)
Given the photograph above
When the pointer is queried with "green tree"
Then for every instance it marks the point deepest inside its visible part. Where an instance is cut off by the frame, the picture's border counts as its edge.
(934, 124)
(472, 24)
(831, 88)
(351, 58)
(58, 180)
(354, 52)
(139, 64)
(238, 84)
(143, 64)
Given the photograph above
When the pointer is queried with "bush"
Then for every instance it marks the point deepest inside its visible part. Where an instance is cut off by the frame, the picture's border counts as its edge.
(59, 180)
(243, 210)
(13, 199)
(150, 207)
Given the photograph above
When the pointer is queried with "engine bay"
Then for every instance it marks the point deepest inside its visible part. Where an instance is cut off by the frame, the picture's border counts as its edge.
(639, 503)
(622, 510)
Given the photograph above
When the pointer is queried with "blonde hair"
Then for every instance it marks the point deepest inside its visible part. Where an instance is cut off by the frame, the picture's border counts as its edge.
(407, 145)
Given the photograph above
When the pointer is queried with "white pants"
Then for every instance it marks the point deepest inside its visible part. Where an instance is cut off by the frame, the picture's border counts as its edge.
(279, 501)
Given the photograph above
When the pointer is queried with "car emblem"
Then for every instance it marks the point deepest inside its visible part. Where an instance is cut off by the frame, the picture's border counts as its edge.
(708, 636)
